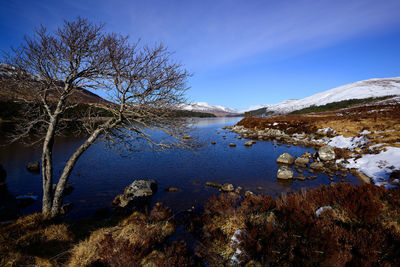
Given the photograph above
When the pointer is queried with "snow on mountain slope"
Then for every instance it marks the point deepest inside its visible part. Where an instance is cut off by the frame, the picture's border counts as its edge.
(205, 107)
(358, 90)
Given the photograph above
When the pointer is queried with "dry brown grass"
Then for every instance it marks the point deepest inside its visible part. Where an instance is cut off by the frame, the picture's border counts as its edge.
(133, 241)
(382, 121)
(34, 241)
(127, 243)
(360, 228)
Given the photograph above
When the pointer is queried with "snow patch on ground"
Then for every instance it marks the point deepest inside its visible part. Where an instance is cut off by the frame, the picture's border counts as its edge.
(365, 132)
(378, 166)
(320, 210)
(348, 142)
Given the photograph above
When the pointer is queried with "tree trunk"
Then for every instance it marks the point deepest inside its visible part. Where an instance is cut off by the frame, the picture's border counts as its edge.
(58, 195)
(47, 168)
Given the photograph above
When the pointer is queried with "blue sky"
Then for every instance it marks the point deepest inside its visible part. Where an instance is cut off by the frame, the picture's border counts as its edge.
(242, 53)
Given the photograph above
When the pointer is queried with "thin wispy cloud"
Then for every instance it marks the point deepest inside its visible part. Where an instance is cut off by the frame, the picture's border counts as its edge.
(221, 32)
(270, 49)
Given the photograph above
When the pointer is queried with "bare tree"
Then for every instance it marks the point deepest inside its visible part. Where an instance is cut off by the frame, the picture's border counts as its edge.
(144, 86)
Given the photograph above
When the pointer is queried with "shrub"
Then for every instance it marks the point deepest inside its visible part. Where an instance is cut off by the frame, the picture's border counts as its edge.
(358, 229)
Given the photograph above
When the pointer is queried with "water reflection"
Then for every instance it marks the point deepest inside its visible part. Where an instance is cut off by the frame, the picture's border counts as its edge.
(101, 174)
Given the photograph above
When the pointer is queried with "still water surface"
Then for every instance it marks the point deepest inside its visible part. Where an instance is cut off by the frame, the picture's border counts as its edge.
(101, 174)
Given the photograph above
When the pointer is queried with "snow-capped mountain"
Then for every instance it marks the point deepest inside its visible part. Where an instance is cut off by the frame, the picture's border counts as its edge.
(358, 90)
(205, 107)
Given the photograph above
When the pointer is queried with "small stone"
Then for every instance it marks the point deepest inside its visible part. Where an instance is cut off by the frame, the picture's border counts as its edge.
(232, 145)
(259, 188)
(213, 142)
(285, 158)
(227, 188)
(326, 153)
(33, 166)
(186, 137)
(284, 172)
(312, 177)
(302, 162)
(317, 166)
(238, 189)
(301, 177)
(213, 184)
(172, 189)
(248, 143)
(248, 193)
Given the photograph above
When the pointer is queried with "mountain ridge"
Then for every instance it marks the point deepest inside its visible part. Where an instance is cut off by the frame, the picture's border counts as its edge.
(376, 87)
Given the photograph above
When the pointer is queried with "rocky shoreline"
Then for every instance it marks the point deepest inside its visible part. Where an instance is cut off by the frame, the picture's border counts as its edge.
(327, 159)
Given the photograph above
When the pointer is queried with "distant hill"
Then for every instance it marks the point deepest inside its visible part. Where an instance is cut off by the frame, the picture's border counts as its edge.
(9, 93)
(365, 89)
(205, 107)
(11, 99)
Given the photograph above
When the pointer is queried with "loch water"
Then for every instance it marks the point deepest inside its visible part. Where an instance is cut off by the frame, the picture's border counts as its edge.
(101, 174)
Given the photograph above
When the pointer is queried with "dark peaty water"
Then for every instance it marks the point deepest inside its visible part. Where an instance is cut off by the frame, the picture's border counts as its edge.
(100, 174)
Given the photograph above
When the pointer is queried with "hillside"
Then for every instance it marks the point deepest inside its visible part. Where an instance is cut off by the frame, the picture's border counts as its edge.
(9, 93)
(205, 107)
(359, 90)
(11, 98)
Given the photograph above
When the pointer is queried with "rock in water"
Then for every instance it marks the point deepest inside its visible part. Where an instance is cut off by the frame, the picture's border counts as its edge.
(172, 189)
(139, 189)
(33, 166)
(326, 153)
(3, 174)
(302, 162)
(319, 166)
(285, 172)
(285, 158)
(301, 177)
(248, 143)
(232, 145)
(214, 184)
(227, 188)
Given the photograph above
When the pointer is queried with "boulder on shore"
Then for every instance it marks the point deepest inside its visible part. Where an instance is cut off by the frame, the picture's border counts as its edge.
(285, 172)
(138, 190)
(326, 153)
(285, 158)
(33, 166)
